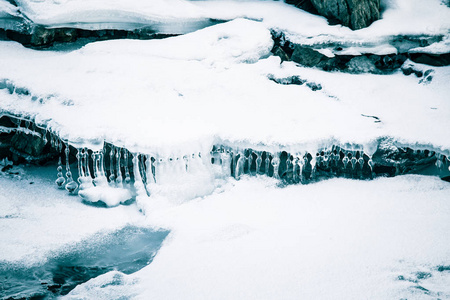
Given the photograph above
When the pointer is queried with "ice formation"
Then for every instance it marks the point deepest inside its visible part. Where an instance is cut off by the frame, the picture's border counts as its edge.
(171, 135)
(114, 175)
(240, 97)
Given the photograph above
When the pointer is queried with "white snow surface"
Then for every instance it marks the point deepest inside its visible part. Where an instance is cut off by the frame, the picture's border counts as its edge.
(179, 95)
(337, 239)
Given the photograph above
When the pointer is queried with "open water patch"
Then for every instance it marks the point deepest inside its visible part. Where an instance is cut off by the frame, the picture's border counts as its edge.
(126, 250)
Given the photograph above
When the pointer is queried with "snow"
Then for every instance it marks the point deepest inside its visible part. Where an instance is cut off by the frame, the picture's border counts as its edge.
(180, 95)
(49, 12)
(250, 239)
(335, 239)
(400, 17)
(37, 220)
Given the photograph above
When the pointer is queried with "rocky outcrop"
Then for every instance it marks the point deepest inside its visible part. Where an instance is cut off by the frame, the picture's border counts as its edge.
(355, 14)
(338, 60)
(43, 37)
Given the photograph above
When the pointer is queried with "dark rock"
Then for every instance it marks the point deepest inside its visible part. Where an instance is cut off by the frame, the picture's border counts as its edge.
(314, 86)
(6, 168)
(306, 56)
(295, 79)
(423, 275)
(446, 178)
(38, 36)
(438, 60)
(355, 14)
(410, 70)
(392, 160)
(421, 288)
(278, 51)
(443, 268)
(388, 62)
(27, 143)
(5, 144)
(42, 36)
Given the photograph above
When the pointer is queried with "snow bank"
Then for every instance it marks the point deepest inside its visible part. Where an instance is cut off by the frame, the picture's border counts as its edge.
(337, 239)
(400, 18)
(176, 96)
(50, 12)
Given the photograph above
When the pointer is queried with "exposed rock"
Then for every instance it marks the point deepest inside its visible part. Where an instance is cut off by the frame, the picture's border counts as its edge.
(27, 143)
(278, 51)
(388, 62)
(39, 36)
(306, 56)
(391, 160)
(443, 268)
(355, 14)
(446, 178)
(296, 80)
(408, 70)
(361, 64)
(437, 60)
(427, 77)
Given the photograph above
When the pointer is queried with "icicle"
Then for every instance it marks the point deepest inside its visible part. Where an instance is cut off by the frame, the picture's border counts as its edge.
(111, 167)
(239, 170)
(186, 162)
(86, 164)
(266, 164)
(44, 137)
(58, 145)
(127, 172)
(216, 157)
(295, 169)
(52, 140)
(94, 157)
(101, 163)
(71, 185)
(99, 175)
(439, 164)
(149, 170)
(138, 182)
(353, 162)
(276, 165)
(289, 166)
(143, 174)
(79, 164)
(85, 180)
(60, 180)
(250, 161)
(307, 166)
(226, 163)
(258, 163)
(118, 171)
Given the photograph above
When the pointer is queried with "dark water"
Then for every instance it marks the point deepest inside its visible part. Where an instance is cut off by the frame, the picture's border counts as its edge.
(127, 250)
